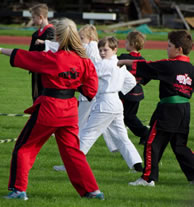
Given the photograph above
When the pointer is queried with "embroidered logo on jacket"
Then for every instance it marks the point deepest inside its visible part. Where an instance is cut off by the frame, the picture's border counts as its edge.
(184, 79)
(72, 74)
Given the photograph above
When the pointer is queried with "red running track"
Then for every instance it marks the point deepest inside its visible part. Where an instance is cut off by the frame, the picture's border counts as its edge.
(26, 41)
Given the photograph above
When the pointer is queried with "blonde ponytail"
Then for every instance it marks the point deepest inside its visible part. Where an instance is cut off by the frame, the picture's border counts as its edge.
(68, 37)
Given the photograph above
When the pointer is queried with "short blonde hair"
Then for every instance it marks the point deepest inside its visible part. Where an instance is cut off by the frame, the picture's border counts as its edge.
(40, 9)
(68, 37)
(89, 31)
(136, 39)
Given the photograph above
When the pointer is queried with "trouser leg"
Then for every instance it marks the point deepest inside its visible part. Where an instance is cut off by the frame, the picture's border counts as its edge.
(96, 125)
(153, 151)
(84, 112)
(109, 142)
(183, 154)
(132, 121)
(118, 134)
(78, 169)
(29, 143)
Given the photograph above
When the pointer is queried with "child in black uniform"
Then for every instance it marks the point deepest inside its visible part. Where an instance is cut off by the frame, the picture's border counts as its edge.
(171, 119)
(134, 43)
(45, 32)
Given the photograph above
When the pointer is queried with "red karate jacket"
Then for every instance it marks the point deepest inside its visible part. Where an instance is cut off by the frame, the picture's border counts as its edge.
(60, 70)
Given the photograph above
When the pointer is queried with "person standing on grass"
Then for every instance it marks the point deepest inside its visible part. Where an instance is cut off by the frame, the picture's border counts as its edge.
(89, 37)
(134, 43)
(106, 115)
(45, 31)
(171, 119)
(55, 111)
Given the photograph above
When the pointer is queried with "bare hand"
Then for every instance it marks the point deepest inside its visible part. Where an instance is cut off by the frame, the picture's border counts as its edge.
(120, 63)
(38, 41)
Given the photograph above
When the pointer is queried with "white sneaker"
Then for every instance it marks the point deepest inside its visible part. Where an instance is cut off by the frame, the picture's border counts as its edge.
(59, 168)
(142, 182)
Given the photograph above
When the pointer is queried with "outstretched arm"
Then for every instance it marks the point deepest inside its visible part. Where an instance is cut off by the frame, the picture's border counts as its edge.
(6, 51)
(35, 61)
(125, 62)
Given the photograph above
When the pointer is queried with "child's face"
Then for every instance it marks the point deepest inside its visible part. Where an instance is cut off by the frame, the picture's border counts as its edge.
(173, 51)
(37, 20)
(84, 38)
(106, 52)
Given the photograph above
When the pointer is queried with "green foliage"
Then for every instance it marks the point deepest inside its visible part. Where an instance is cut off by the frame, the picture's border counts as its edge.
(48, 188)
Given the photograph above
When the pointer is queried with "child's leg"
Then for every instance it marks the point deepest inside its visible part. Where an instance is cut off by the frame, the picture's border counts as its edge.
(132, 121)
(109, 141)
(153, 151)
(96, 125)
(84, 112)
(74, 160)
(119, 135)
(29, 143)
(183, 154)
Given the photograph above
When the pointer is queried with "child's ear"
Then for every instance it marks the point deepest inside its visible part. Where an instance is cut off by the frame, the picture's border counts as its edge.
(41, 17)
(180, 50)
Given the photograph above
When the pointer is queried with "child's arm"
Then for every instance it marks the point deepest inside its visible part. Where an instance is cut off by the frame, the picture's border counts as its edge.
(130, 81)
(35, 61)
(125, 62)
(38, 42)
(6, 51)
(89, 85)
(49, 45)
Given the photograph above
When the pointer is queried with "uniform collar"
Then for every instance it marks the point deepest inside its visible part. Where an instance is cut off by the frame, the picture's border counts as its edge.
(135, 54)
(41, 31)
(182, 58)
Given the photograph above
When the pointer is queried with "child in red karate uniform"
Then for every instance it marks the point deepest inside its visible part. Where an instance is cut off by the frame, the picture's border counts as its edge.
(55, 111)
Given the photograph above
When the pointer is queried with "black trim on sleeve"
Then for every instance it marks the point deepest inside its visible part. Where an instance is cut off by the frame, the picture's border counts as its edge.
(80, 90)
(12, 57)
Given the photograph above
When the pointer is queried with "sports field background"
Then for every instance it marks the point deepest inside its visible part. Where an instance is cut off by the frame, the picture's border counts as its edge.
(53, 189)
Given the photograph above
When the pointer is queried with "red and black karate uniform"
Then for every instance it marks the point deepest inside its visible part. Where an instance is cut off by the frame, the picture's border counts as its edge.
(171, 119)
(132, 100)
(47, 33)
(55, 111)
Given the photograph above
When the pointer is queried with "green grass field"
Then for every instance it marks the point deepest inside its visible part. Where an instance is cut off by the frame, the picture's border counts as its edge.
(48, 188)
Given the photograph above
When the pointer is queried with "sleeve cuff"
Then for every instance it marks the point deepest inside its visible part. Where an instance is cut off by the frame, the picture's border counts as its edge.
(81, 91)
(12, 57)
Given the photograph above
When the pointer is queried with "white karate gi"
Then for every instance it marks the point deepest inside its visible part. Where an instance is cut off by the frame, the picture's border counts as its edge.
(107, 111)
(84, 105)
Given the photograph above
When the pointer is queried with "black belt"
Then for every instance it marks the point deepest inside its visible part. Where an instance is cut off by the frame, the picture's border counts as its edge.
(57, 93)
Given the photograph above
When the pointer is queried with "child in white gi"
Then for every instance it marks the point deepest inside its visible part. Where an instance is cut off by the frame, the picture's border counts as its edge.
(107, 111)
(89, 38)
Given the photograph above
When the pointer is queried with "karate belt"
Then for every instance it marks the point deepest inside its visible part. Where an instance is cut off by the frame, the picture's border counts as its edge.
(174, 99)
(58, 93)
